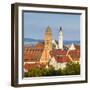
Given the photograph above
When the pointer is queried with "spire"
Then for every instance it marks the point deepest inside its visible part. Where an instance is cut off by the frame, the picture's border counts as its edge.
(60, 39)
(48, 29)
(60, 28)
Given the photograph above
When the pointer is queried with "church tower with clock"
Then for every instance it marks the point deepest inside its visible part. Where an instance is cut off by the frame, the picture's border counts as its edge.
(60, 39)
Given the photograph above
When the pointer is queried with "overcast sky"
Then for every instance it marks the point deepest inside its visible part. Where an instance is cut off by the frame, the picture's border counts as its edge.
(35, 25)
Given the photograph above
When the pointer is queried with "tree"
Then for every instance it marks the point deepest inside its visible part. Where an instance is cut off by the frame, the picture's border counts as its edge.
(34, 72)
(72, 68)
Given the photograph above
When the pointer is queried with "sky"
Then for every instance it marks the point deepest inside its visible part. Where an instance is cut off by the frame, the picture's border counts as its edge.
(35, 24)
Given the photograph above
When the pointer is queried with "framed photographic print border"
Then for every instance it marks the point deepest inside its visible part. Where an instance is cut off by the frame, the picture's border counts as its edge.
(15, 42)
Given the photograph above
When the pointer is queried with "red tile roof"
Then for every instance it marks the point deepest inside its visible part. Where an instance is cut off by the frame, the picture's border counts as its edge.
(33, 65)
(58, 52)
(77, 47)
(60, 55)
(75, 54)
(63, 59)
(33, 53)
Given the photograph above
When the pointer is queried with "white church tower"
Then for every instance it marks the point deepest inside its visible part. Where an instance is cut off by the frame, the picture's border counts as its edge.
(60, 39)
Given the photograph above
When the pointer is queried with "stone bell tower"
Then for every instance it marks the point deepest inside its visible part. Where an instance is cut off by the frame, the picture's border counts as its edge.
(48, 39)
(47, 46)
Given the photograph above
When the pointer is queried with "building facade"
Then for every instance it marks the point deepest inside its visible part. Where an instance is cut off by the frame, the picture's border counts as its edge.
(44, 55)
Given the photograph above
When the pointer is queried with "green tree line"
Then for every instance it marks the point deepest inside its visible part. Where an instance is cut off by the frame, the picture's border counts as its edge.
(70, 69)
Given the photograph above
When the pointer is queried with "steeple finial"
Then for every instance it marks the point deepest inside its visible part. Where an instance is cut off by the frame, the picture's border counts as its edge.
(60, 29)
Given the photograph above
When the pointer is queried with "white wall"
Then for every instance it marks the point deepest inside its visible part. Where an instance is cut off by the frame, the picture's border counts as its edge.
(5, 45)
